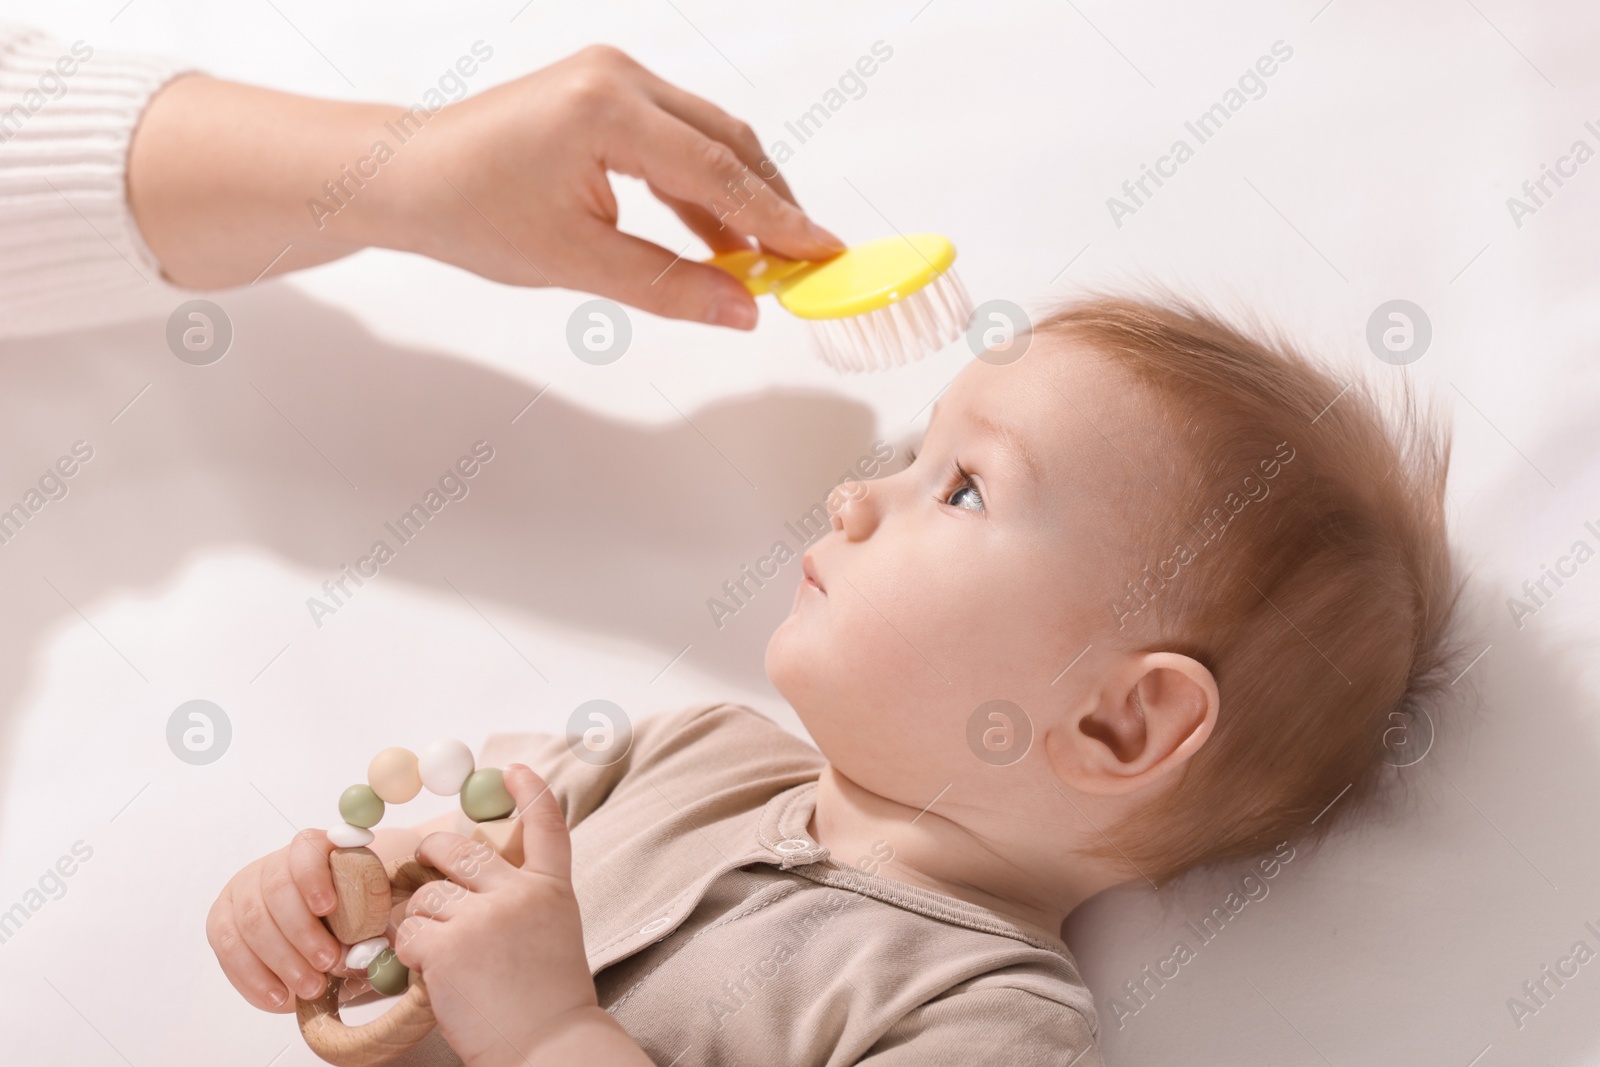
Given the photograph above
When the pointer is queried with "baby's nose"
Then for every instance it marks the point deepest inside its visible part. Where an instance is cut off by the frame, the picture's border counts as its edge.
(841, 497)
(849, 509)
(835, 503)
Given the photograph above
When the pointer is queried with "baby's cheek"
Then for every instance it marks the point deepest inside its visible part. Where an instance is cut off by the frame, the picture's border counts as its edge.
(897, 649)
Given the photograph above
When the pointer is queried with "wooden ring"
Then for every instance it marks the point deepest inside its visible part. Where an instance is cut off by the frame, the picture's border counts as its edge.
(396, 1030)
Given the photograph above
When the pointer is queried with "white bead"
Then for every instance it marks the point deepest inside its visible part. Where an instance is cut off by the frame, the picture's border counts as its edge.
(445, 765)
(346, 836)
(358, 955)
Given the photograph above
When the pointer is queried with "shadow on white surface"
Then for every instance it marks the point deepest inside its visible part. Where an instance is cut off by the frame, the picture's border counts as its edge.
(311, 435)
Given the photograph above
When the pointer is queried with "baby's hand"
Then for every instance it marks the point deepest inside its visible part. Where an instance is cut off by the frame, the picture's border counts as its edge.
(500, 948)
(264, 926)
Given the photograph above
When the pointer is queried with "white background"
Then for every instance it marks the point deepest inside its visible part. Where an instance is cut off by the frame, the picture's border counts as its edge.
(1376, 166)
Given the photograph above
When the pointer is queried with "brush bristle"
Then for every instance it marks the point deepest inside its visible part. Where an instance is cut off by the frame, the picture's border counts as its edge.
(892, 336)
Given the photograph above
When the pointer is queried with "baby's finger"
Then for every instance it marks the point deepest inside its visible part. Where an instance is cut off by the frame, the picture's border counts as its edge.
(244, 970)
(472, 864)
(282, 894)
(353, 987)
(546, 841)
(435, 900)
(308, 862)
(261, 933)
(413, 939)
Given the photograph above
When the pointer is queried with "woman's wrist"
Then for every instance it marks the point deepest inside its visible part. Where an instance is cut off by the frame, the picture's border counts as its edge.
(229, 183)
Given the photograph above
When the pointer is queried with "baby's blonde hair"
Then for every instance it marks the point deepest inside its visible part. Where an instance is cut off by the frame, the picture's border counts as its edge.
(1321, 596)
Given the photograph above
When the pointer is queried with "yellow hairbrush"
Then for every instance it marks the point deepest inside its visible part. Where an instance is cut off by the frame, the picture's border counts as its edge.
(873, 306)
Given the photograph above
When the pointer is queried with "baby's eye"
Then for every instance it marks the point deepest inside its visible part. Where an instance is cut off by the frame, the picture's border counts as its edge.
(972, 494)
(963, 493)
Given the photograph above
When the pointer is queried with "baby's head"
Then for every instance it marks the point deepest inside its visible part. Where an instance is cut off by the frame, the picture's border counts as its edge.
(1203, 575)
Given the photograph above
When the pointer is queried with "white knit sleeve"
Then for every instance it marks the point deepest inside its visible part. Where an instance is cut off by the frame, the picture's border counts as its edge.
(70, 253)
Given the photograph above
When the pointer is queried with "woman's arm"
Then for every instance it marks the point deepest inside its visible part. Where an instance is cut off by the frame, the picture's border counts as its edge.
(219, 175)
(230, 183)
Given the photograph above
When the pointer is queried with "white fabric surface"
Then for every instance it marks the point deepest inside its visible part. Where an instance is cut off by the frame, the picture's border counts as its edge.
(1376, 166)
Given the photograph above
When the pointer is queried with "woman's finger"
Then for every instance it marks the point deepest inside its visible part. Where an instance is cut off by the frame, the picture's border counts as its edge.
(702, 114)
(682, 162)
(717, 124)
(640, 274)
(718, 238)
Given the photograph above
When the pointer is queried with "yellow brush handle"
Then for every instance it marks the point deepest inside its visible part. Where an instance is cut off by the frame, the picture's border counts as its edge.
(756, 269)
(863, 278)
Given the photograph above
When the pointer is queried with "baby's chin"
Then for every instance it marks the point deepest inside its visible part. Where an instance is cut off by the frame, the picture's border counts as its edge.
(795, 666)
(783, 663)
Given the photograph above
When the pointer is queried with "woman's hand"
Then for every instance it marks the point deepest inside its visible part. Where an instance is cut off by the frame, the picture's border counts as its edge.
(512, 184)
(500, 948)
(231, 183)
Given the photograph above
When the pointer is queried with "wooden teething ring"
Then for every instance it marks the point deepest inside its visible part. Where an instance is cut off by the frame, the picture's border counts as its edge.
(397, 1029)
(367, 894)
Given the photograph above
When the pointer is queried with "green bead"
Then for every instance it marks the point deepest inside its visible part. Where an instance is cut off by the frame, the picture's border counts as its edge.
(360, 806)
(484, 796)
(387, 974)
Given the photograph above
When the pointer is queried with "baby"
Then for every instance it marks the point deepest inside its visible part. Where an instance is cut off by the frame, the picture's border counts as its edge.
(1150, 597)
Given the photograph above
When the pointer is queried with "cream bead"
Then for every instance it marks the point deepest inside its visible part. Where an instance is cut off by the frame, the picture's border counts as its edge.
(346, 836)
(445, 766)
(362, 953)
(393, 775)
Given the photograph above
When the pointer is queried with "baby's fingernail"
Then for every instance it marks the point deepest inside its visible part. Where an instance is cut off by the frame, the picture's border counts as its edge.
(325, 959)
(731, 311)
(322, 902)
(278, 997)
(823, 236)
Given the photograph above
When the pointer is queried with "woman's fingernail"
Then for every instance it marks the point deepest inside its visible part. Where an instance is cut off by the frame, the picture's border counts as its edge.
(823, 236)
(740, 314)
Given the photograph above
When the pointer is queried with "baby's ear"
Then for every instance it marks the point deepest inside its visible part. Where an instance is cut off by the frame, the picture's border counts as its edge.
(1144, 723)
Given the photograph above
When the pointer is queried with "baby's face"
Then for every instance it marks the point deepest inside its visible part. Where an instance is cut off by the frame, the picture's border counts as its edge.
(941, 591)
